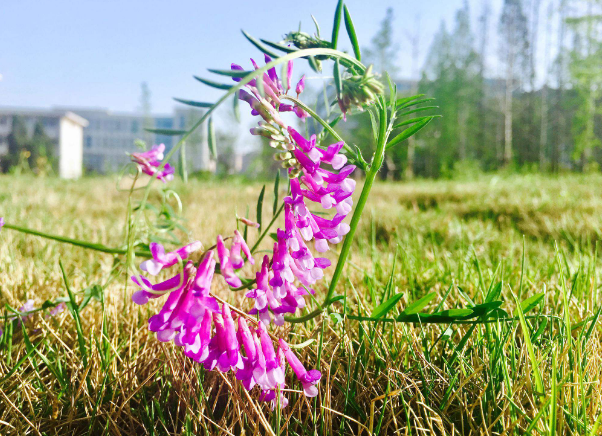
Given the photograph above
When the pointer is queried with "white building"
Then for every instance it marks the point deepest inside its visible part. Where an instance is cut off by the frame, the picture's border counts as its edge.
(64, 128)
(108, 137)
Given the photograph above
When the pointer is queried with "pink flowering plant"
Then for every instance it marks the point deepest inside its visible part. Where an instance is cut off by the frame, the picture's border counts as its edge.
(322, 209)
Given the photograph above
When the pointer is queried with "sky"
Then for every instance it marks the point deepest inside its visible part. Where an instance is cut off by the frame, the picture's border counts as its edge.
(96, 53)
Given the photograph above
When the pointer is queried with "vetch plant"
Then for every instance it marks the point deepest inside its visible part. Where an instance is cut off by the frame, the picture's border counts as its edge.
(315, 214)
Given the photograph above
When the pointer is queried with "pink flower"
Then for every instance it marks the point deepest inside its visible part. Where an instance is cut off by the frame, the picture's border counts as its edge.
(309, 379)
(149, 161)
(162, 260)
(225, 264)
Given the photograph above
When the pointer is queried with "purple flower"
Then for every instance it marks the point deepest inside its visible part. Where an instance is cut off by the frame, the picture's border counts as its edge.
(1, 224)
(269, 104)
(267, 373)
(149, 161)
(57, 309)
(300, 85)
(150, 291)
(238, 243)
(309, 379)
(271, 395)
(225, 264)
(24, 311)
(162, 260)
(289, 76)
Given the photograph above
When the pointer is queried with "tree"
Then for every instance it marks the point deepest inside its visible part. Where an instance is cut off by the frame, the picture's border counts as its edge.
(382, 52)
(514, 56)
(17, 142)
(42, 149)
(586, 73)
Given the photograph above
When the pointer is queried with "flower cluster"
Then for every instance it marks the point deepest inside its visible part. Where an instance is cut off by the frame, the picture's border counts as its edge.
(269, 105)
(276, 292)
(206, 328)
(150, 161)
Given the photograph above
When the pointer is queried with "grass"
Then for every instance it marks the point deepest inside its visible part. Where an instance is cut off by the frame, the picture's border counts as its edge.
(526, 241)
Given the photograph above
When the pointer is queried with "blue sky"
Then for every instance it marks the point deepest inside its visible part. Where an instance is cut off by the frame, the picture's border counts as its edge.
(95, 53)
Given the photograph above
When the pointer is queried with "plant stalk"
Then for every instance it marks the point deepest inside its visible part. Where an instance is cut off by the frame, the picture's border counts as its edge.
(79, 243)
(373, 170)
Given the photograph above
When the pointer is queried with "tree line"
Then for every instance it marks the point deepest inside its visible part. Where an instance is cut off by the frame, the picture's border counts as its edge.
(537, 109)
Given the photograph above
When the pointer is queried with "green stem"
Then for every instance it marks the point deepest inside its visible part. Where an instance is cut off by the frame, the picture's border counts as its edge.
(243, 81)
(265, 232)
(373, 170)
(76, 242)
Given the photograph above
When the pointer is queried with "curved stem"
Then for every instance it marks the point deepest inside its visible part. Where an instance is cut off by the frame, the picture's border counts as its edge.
(243, 81)
(375, 165)
(79, 243)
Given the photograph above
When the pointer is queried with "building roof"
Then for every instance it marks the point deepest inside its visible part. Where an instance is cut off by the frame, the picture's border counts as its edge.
(37, 112)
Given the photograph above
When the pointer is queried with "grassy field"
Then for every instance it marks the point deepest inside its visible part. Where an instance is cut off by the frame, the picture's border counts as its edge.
(99, 371)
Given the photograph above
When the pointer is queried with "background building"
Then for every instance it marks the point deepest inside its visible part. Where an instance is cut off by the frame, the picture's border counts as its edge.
(64, 129)
(105, 138)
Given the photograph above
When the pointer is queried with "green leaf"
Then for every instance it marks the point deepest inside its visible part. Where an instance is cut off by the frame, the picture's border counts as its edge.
(260, 206)
(236, 107)
(302, 344)
(336, 25)
(530, 303)
(74, 309)
(454, 314)
(352, 36)
(213, 84)
(481, 310)
(336, 298)
(166, 132)
(404, 100)
(337, 78)
(229, 73)
(418, 109)
(413, 120)
(315, 64)
(494, 293)
(276, 185)
(527, 337)
(336, 318)
(211, 139)
(259, 45)
(317, 26)
(385, 307)
(418, 305)
(413, 102)
(410, 131)
(194, 103)
(281, 47)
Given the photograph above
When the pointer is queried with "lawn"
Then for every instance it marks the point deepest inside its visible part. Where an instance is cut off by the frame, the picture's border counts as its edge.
(443, 245)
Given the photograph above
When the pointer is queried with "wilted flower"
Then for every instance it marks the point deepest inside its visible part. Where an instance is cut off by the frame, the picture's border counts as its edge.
(161, 259)
(149, 161)
(248, 222)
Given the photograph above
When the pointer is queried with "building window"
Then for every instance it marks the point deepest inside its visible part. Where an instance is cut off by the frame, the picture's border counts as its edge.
(88, 141)
(135, 126)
